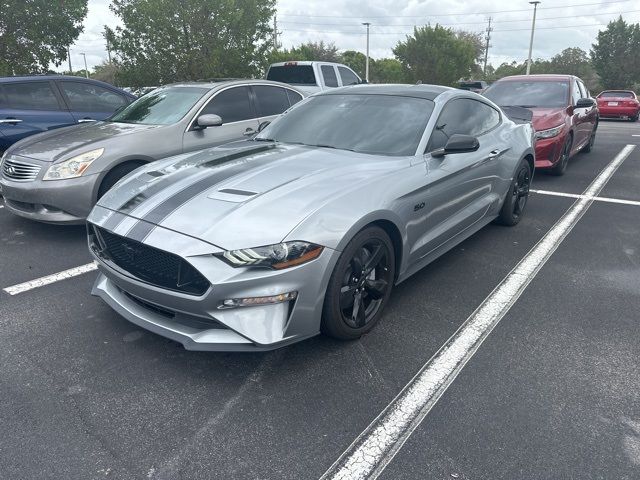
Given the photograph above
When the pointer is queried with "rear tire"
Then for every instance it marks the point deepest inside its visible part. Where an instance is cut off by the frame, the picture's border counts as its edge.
(517, 196)
(363, 276)
(561, 166)
(634, 118)
(116, 174)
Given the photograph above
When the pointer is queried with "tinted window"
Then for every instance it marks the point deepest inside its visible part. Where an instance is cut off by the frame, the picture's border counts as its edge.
(529, 94)
(31, 96)
(348, 77)
(163, 106)
(294, 97)
(463, 116)
(329, 74)
(375, 124)
(232, 105)
(271, 100)
(295, 74)
(85, 97)
(614, 94)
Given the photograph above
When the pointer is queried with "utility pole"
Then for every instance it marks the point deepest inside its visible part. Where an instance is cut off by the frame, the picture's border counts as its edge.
(86, 71)
(69, 57)
(275, 33)
(366, 74)
(533, 28)
(486, 48)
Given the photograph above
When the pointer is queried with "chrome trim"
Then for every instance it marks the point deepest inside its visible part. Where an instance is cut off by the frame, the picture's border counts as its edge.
(19, 171)
(10, 120)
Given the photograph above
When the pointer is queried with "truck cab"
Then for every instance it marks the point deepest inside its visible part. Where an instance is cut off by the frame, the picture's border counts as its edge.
(312, 77)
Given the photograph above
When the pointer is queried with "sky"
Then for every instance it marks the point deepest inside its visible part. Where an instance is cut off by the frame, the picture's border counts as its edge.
(559, 24)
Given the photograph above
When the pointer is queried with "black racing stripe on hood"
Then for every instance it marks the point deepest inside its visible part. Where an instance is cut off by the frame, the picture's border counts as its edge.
(159, 185)
(141, 229)
(113, 221)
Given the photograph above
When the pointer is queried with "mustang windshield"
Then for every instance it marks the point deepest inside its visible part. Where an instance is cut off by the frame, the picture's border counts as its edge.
(163, 106)
(544, 94)
(375, 124)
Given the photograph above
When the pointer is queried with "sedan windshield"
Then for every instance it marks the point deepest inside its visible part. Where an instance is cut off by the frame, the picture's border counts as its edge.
(162, 106)
(375, 124)
(547, 94)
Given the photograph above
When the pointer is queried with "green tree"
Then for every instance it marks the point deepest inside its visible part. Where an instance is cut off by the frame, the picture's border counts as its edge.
(318, 51)
(436, 55)
(575, 61)
(35, 33)
(163, 41)
(106, 72)
(357, 62)
(615, 54)
(388, 70)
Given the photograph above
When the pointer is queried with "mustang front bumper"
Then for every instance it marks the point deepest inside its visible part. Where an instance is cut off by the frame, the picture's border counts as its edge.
(199, 323)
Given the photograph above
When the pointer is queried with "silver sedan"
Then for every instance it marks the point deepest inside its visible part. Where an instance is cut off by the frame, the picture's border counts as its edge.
(306, 228)
(58, 175)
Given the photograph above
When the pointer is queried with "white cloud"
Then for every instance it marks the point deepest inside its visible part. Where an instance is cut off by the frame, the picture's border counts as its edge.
(392, 19)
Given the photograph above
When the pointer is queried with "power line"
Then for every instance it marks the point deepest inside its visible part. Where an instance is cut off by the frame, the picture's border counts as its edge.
(289, 22)
(450, 14)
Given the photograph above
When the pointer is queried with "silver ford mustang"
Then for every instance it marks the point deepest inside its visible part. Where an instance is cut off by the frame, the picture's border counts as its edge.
(306, 227)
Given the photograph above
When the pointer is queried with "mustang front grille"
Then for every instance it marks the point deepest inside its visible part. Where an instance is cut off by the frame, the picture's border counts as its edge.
(149, 264)
(16, 170)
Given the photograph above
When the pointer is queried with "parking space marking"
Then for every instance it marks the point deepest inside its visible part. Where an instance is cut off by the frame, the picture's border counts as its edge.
(597, 199)
(56, 277)
(376, 446)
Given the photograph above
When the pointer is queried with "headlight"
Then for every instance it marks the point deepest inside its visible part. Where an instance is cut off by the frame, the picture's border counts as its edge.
(74, 167)
(279, 256)
(551, 132)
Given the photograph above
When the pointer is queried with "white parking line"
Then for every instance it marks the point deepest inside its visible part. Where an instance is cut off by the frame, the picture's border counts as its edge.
(597, 199)
(374, 448)
(56, 277)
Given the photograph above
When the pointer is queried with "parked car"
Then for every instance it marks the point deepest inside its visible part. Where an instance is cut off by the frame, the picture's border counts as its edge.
(619, 104)
(565, 116)
(57, 176)
(305, 228)
(312, 77)
(34, 104)
(477, 86)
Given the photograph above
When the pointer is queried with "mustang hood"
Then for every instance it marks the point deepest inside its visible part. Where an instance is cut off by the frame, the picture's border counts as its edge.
(243, 195)
(62, 142)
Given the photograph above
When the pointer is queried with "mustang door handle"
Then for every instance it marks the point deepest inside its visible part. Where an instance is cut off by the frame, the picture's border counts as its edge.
(248, 132)
(9, 120)
(85, 120)
(494, 153)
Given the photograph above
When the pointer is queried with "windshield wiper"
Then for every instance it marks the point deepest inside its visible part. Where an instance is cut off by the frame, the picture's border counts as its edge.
(322, 145)
(256, 139)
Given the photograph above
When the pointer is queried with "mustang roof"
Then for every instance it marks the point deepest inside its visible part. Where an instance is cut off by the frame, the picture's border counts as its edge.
(429, 92)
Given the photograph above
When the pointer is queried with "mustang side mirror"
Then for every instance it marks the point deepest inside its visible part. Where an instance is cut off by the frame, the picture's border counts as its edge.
(208, 120)
(457, 143)
(585, 103)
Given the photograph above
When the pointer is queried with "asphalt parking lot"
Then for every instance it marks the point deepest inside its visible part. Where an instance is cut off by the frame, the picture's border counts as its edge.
(550, 394)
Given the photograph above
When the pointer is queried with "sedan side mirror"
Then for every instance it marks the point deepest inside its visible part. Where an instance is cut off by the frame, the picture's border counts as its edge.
(458, 143)
(585, 103)
(208, 120)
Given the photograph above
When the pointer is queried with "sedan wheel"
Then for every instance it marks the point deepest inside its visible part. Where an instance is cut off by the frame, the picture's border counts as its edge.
(563, 161)
(360, 285)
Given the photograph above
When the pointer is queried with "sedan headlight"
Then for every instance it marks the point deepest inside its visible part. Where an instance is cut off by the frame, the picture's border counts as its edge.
(74, 167)
(278, 257)
(551, 132)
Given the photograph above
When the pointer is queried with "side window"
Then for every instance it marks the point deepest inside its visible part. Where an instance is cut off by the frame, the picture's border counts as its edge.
(232, 105)
(270, 100)
(31, 96)
(347, 76)
(575, 94)
(329, 74)
(85, 97)
(294, 97)
(583, 90)
(463, 116)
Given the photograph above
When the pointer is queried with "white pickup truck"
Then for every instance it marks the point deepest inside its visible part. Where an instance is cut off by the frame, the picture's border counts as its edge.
(312, 77)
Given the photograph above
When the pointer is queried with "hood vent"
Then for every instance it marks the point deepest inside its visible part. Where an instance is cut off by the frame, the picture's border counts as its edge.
(232, 195)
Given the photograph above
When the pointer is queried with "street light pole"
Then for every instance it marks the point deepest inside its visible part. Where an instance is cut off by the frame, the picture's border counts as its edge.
(366, 74)
(533, 27)
(86, 71)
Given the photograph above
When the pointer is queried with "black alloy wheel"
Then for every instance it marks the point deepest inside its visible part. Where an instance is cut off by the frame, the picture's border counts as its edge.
(360, 285)
(563, 161)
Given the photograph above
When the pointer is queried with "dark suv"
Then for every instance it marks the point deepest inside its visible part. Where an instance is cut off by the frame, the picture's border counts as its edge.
(565, 116)
(39, 103)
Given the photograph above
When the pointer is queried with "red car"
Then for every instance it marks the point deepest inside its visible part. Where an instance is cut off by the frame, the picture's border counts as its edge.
(619, 104)
(565, 116)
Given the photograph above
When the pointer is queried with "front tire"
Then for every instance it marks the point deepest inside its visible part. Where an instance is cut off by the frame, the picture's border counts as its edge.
(114, 175)
(517, 196)
(592, 140)
(360, 285)
(563, 161)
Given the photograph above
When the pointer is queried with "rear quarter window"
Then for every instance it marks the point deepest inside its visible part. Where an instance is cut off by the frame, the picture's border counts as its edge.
(31, 96)
(294, 74)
